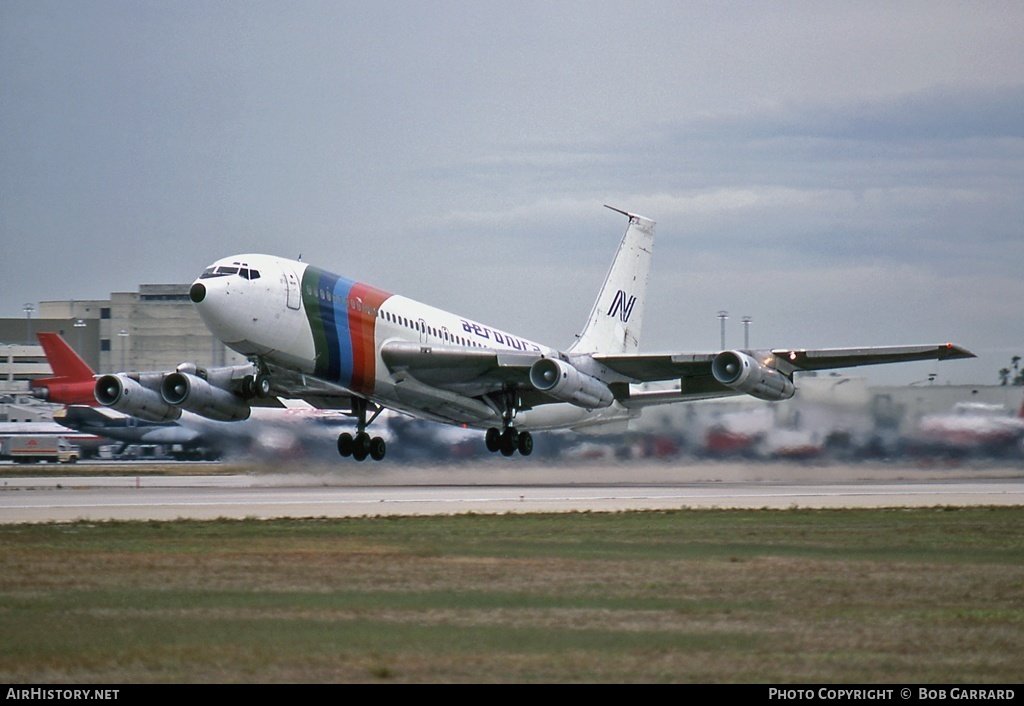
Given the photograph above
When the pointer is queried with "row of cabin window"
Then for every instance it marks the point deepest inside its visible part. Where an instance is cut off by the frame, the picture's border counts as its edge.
(417, 326)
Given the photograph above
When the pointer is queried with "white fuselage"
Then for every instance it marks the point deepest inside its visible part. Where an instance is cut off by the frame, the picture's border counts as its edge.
(317, 323)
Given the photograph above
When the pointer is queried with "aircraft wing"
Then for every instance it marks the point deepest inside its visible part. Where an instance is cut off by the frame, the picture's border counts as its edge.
(446, 381)
(454, 367)
(653, 368)
(830, 358)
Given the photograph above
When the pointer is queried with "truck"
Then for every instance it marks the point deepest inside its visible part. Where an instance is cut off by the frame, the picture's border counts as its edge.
(30, 448)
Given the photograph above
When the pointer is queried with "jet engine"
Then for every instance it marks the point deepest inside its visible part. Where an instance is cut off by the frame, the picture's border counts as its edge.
(741, 372)
(564, 382)
(135, 396)
(185, 390)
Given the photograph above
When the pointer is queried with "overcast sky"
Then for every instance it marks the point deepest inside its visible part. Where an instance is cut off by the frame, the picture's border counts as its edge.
(845, 173)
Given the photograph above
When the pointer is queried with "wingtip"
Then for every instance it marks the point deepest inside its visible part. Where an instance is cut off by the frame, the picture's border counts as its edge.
(955, 352)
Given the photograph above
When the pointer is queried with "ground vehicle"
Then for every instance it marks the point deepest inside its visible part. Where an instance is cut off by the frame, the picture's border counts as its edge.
(30, 448)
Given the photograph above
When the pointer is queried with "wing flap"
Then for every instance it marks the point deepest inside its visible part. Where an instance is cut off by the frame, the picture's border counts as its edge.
(457, 367)
(296, 386)
(652, 368)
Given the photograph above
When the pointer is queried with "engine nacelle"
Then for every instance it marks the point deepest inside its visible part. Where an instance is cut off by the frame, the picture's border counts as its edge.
(194, 394)
(564, 382)
(741, 372)
(130, 396)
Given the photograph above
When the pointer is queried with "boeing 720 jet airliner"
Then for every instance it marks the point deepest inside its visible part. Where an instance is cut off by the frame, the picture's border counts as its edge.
(336, 343)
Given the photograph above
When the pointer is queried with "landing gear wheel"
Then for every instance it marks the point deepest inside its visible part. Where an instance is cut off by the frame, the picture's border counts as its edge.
(261, 385)
(509, 438)
(493, 440)
(362, 446)
(525, 443)
(346, 444)
(377, 448)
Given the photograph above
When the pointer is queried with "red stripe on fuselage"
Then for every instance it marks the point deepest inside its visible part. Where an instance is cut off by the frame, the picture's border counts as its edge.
(362, 321)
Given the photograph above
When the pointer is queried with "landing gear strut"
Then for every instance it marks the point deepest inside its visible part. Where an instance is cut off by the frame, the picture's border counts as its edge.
(362, 445)
(508, 440)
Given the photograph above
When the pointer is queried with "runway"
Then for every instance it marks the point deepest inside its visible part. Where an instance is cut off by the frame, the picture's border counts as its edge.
(366, 490)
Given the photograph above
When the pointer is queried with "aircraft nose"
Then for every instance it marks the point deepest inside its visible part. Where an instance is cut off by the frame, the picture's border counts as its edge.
(197, 292)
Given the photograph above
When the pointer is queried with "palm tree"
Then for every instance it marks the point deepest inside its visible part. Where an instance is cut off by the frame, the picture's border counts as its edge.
(1004, 376)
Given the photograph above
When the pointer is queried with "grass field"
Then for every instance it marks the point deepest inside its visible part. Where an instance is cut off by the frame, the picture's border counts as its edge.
(913, 596)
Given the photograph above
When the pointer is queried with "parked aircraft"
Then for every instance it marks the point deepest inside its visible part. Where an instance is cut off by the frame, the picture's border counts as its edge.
(73, 384)
(73, 381)
(337, 343)
(971, 428)
(191, 436)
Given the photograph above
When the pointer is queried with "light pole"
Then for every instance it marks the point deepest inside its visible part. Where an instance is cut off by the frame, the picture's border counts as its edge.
(722, 316)
(746, 332)
(28, 309)
(123, 335)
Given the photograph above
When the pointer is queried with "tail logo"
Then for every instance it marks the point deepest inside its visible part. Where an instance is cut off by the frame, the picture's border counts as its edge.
(621, 307)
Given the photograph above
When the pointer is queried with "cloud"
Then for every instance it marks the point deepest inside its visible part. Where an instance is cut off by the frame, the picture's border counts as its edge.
(808, 163)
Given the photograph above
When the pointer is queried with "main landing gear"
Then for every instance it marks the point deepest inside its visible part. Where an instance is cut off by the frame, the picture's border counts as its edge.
(362, 445)
(508, 440)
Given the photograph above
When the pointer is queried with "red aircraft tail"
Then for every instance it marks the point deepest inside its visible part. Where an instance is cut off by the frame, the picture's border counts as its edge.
(72, 382)
(63, 359)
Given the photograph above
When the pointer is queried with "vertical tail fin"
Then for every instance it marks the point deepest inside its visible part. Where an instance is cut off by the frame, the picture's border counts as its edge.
(614, 323)
(72, 381)
(63, 359)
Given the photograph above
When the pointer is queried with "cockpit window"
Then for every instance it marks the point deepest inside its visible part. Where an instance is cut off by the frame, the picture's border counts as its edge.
(218, 272)
(222, 271)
